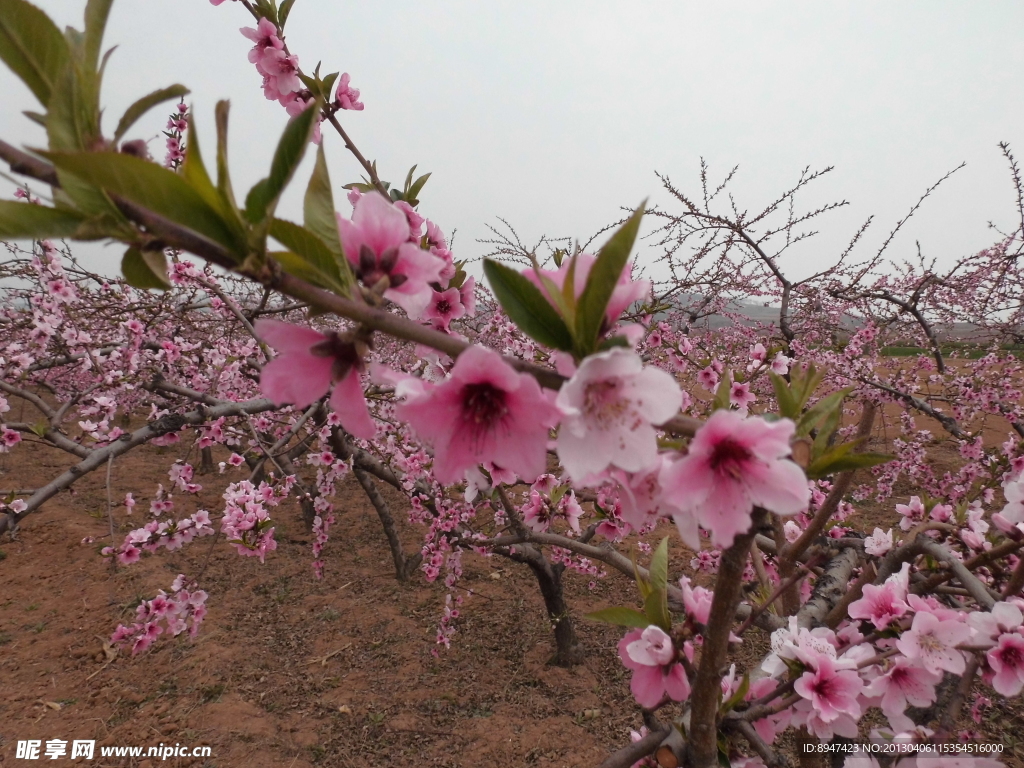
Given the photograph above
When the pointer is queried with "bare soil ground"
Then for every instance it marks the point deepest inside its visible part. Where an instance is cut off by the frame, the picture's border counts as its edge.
(289, 671)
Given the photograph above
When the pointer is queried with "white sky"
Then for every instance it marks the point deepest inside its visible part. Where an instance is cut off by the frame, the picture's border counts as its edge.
(554, 116)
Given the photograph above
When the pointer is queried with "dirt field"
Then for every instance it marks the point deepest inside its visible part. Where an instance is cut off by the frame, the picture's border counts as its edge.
(292, 672)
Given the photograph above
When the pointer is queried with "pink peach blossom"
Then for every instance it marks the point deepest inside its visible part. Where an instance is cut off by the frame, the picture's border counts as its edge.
(653, 679)
(376, 242)
(305, 368)
(1007, 661)
(832, 691)
(733, 464)
(484, 411)
(933, 642)
(610, 406)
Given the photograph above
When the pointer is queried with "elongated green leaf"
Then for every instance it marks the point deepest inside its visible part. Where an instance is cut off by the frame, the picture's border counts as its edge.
(143, 105)
(310, 247)
(300, 267)
(829, 464)
(36, 117)
(147, 184)
(825, 431)
(656, 608)
(527, 307)
(256, 202)
(284, 11)
(783, 393)
(32, 46)
(414, 190)
(816, 413)
(601, 281)
(659, 566)
(318, 205)
(25, 221)
(142, 272)
(223, 176)
(193, 170)
(96, 14)
(620, 617)
(262, 199)
(724, 393)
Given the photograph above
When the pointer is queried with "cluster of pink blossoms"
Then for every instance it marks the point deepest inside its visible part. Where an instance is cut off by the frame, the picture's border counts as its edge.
(280, 72)
(183, 609)
(171, 534)
(484, 412)
(246, 522)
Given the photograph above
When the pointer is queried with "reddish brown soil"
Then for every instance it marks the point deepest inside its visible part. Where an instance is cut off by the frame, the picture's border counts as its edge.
(289, 671)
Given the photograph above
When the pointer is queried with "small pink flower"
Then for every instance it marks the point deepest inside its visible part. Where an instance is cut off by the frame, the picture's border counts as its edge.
(305, 368)
(1007, 661)
(933, 642)
(708, 378)
(643, 651)
(733, 463)
(376, 242)
(610, 405)
(484, 411)
(696, 600)
(881, 605)
(913, 513)
(780, 364)
(905, 683)
(831, 690)
(741, 396)
(879, 542)
(444, 307)
(345, 96)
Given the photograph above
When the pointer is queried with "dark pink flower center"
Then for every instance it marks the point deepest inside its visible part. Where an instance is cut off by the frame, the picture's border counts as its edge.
(1012, 656)
(344, 353)
(730, 458)
(483, 407)
(443, 307)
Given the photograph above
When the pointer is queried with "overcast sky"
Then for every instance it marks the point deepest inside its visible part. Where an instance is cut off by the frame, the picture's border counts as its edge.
(554, 116)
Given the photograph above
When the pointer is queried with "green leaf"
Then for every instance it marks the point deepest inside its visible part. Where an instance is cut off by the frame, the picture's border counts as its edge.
(143, 105)
(36, 117)
(784, 394)
(620, 617)
(283, 11)
(26, 221)
(300, 267)
(414, 190)
(193, 171)
(262, 199)
(318, 206)
(311, 248)
(830, 463)
(601, 281)
(723, 393)
(96, 14)
(656, 608)
(825, 432)
(143, 270)
(527, 307)
(32, 46)
(659, 566)
(223, 177)
(151, 186)
(816, 413)
(255, 201)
